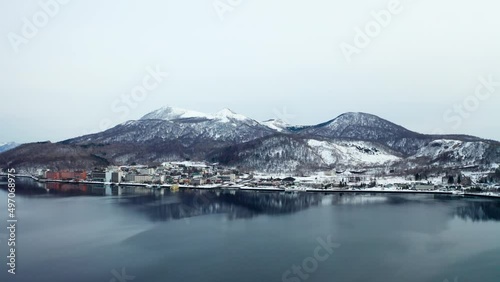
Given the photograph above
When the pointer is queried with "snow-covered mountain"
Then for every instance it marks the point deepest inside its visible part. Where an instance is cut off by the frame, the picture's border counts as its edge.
(351, 140)
(368, 127)
(444, 152)
(285, 152)
(353, 153)
(7, 146)
(226, 115)
(362, 126)
(189, 127)
(170, 113)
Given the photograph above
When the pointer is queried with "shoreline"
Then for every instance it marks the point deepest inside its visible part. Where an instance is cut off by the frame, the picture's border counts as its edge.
(263, 189)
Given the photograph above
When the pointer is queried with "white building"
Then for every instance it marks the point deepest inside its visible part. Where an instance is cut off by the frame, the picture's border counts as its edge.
(143, 178)
(109, 175)
(146, 171)
(227, 177)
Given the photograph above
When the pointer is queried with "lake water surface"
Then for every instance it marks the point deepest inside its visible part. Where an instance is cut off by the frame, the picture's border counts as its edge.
(90, 233)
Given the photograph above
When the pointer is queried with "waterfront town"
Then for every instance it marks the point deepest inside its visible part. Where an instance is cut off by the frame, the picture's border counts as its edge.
(187, 174)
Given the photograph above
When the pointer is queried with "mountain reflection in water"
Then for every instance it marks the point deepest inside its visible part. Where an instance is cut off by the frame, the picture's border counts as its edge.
(186, 203)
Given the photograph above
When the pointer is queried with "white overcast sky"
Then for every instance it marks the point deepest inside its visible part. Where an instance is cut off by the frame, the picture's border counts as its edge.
(266, 59)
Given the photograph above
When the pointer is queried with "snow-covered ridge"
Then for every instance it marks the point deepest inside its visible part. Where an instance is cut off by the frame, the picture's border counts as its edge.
(171, 113)
(458, 151)
(350, 125)
(7, 146)
(7, 143)
(226, 115)
(276, 124)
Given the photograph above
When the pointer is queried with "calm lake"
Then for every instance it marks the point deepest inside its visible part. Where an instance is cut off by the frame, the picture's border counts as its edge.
(91, 233)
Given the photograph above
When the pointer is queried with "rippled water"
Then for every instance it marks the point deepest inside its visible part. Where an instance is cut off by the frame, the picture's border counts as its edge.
(91, 233)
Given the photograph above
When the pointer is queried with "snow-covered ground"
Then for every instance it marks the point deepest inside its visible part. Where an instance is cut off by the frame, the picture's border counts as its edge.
(7, 146)
(470, 152)
(388, 181)
(187, 164)
(355, 153)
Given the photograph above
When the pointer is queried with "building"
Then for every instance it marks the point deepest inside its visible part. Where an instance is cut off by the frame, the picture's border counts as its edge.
(116, 176)
(141, 178)
(184, 181)
(42, 172)
(426, 187)
(288, 180)
(52, 175)
(130, 177)
(159, 179)
(66, 175)
(227, 178)
(453, 179)
(99, 175)
(198, 181)
(146, 171)
(357, 178)
(109, 174)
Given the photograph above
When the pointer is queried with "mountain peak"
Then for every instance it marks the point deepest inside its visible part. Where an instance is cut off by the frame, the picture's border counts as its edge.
(367, 127)
(357, 118)
(226, 114)
(357, 115)
(171, 113)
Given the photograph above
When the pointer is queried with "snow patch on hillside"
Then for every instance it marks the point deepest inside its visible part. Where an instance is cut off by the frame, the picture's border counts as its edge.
(7, 146)
(467, 152)
(170, 113)
(352, 153)
(276, 124)
(226, 115)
